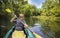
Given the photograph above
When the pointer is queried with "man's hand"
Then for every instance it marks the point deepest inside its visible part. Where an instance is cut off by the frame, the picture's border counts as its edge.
(15, 16)
(25, 25)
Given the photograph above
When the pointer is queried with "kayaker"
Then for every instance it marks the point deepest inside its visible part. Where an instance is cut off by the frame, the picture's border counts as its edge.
(20, 24)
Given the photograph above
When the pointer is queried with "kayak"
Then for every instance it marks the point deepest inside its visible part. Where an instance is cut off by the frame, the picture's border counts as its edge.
(32, 34)
(29, 33)
(9, 33)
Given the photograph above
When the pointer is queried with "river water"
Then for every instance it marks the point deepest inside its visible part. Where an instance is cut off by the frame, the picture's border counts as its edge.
(44, 27)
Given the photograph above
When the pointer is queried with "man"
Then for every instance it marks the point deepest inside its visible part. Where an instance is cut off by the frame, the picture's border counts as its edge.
(19, 26)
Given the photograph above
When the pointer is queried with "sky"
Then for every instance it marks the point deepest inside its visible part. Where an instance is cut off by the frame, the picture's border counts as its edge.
(37, 3)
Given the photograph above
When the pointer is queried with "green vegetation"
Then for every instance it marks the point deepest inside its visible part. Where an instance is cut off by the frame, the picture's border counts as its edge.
(49, 14)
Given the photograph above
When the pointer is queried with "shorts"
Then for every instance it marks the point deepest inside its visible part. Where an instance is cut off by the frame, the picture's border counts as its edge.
(18, 34)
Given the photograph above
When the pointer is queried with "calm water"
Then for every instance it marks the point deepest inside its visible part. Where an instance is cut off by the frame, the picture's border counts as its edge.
(46, 28)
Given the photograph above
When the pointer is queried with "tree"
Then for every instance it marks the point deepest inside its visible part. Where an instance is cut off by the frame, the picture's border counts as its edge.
(51, 9)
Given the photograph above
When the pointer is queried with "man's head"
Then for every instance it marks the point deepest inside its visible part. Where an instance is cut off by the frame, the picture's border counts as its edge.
(21, 16)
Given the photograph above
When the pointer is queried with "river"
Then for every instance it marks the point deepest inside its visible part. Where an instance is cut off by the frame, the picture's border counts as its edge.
(49, 26)
(43, 26)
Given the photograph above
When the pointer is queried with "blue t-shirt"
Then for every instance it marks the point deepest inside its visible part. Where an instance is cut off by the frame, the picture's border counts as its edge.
(19, 25)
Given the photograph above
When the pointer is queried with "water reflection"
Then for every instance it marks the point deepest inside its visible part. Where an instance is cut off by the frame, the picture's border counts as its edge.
(38, 29)
(45, 28)
(48, 28)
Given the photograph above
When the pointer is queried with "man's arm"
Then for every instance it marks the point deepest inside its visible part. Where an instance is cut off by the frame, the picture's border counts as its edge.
(13, 19)
(25, 25)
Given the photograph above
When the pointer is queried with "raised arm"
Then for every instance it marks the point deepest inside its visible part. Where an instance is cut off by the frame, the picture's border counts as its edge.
(13, 18)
